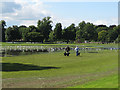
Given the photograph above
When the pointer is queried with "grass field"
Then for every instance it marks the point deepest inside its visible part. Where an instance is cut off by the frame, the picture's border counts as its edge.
(46, 70)
(106, 82)
(38, 44)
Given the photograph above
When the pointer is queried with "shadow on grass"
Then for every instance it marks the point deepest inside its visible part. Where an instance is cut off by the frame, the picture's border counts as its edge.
(10, 67)
(92, 52)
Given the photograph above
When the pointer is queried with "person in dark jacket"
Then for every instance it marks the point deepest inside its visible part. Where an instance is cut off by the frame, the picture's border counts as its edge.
(67, 49)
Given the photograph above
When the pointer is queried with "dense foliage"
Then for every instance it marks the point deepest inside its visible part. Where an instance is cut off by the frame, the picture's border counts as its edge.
(43, 32)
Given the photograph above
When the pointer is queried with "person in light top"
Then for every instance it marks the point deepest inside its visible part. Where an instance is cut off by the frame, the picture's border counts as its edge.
(77, 50)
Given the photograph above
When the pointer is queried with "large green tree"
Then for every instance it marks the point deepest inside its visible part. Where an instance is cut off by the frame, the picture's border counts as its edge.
(89, 32)
(32, 28)
(51, 36)
(58, 31)
(81, 25)
(79, 36)
(9, 34)
(72, 31)
(16, 32)
(2, 30)
(22, 31)
(35, 37)
(84, 31)
(69, 33)
(13, 34)
(80, 31)
(25, 34)
(118, 39)
(99, 28)
(111, 36)
(44, 27)
(117, 29)
(102, 36)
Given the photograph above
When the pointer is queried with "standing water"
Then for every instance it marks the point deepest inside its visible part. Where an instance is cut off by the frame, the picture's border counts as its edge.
(7, 51)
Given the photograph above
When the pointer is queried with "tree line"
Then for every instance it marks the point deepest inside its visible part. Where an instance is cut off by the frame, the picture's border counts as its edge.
(43, 32)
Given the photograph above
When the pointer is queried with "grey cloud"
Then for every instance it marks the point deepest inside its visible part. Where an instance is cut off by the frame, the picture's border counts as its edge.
(9, 7)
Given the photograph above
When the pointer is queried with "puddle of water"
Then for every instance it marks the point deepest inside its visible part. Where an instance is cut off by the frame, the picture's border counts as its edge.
(8, 51)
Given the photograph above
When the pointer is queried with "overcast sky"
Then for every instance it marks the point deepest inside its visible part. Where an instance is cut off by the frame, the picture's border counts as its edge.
(28, 12)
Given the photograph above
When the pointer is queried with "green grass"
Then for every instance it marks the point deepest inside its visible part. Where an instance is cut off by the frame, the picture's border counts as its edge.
(106, 82)
(56, 70)
(37, 44)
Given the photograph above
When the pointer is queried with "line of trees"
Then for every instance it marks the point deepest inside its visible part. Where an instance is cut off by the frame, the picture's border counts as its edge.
(43, 32)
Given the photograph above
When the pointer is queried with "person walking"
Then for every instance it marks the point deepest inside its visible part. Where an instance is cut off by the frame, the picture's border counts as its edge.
(77, 50)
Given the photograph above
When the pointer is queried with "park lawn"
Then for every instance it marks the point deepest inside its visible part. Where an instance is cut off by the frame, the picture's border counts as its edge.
(40, 44)
(106, 82)
(55, 70)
